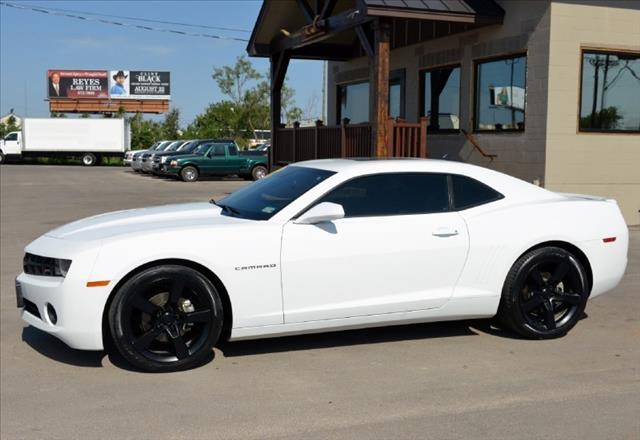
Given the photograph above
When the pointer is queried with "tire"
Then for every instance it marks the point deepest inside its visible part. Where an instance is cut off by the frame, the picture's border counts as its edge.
(259, 172)
(166, 318)
(2, 158)
(545, 294)
(88, 159)
(189, 174)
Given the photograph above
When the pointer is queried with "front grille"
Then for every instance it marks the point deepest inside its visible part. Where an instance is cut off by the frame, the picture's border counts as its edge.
(32, 308)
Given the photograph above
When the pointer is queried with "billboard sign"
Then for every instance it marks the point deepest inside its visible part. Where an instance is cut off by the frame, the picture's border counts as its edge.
(114, 84)
(507, 96)
(77, 84)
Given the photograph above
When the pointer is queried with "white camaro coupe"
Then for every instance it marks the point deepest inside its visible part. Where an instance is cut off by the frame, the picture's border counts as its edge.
(319, 246)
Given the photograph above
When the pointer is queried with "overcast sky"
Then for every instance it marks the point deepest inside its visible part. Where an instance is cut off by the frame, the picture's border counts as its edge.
(32, 42)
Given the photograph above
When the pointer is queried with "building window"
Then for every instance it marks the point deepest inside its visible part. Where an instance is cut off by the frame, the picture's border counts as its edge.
(610, 92)
(500, 94)
(353, 102)
(441, 98)
(353, 99)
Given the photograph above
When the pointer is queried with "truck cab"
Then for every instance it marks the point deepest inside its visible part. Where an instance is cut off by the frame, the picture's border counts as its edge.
(11, 146)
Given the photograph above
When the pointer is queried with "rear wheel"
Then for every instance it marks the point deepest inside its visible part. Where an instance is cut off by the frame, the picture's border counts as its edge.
(88, 159)
(259, 172)
(166, 318)
(189, 174)
(545, 294)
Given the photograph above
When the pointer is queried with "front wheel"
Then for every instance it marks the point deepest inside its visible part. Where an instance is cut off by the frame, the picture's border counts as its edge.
(88, 159)
(1, 158)
(545, 294)
(166, 318)
(189, 174)
(259, 172)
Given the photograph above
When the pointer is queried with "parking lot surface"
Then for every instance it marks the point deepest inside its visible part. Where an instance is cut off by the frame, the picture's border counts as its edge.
(432, 381)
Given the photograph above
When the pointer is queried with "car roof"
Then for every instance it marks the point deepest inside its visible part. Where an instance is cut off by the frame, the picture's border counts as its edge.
(361, 166)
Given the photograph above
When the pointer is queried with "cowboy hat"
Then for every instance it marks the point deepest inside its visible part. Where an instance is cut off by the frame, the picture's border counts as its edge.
(120, 73)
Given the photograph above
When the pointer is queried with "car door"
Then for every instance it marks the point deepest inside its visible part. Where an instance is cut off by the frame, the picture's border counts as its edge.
(234, 160)
(398, 249)
(215, 160)
(11, 144)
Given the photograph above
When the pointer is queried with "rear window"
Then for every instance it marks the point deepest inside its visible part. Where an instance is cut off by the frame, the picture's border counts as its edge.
(468, 192)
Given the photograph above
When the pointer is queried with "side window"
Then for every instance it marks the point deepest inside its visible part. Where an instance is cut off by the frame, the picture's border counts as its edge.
(233, 150)
(11, 137)
(218, 150)
(392, 194)
(468, 192)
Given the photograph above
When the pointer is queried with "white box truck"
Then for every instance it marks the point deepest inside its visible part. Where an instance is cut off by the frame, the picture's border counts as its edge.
(86, 138)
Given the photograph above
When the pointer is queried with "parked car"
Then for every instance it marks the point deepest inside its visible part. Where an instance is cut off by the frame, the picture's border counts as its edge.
(87, 139)
(187, 148)
(128, 156)
(216, 159)
(320, 246)
(147, 158)
(261, 149)
(136, 161)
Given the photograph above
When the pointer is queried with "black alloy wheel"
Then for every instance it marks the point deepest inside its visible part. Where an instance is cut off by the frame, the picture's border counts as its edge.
(166, 318)
(545, 294)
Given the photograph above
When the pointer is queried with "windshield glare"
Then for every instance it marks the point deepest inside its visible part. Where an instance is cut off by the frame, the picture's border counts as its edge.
(266, 197)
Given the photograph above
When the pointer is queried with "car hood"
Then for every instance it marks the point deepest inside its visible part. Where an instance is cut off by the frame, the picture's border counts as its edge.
(143, 220)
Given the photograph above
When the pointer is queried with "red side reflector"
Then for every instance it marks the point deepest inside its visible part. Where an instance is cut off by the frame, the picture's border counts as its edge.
(98, 283)
(609, 240)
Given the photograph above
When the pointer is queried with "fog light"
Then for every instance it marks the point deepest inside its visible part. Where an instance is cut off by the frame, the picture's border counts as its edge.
(51, 314)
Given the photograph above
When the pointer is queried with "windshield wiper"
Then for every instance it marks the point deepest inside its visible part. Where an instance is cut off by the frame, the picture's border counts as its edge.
(226, 208)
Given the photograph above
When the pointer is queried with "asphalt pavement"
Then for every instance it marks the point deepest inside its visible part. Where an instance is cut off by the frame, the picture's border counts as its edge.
(458, 380)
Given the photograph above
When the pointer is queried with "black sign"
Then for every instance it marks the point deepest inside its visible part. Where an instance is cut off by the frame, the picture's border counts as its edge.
(149, 84)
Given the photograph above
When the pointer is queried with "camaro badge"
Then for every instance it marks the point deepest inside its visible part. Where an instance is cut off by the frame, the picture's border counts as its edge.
(257, 266)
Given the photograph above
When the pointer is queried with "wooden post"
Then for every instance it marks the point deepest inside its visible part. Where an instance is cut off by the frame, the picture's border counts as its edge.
(296, 126)
(379, 86)
(423, 136)
(316, 138)
(343, 138)
(279, 64)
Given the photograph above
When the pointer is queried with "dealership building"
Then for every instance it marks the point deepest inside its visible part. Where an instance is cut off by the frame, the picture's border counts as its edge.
(548, 91)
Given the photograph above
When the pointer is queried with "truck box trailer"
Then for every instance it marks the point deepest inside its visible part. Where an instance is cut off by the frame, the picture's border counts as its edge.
(86, 138)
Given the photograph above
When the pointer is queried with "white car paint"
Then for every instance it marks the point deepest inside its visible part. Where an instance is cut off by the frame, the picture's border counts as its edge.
(348, 273)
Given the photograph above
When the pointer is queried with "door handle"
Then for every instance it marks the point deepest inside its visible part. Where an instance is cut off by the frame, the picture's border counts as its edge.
(445, 231)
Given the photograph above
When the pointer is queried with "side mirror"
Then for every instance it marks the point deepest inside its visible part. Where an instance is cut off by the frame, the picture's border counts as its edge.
(323, 212)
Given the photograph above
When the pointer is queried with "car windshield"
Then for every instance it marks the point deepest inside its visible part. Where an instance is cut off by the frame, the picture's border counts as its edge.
(266, 197)
(174, 146)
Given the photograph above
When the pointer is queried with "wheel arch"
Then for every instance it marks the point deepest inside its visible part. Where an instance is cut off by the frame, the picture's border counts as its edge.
(227, 322)
(571, 248)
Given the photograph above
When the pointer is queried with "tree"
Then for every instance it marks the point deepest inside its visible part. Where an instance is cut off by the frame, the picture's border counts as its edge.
(58, 115)
(85, 115)
(604, 119)
(171, 125)
(218, 120)
(144, 132)
(9, 126)
(232, 80)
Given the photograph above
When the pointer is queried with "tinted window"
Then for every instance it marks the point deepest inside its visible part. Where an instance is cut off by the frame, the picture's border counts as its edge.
(233, 150)
(392, 194)
(468, 192)
(266, 197)
(11, 137)
(610, 98)
(500, 94)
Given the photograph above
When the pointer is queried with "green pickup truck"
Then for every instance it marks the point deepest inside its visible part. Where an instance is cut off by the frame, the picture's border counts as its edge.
(215, 159)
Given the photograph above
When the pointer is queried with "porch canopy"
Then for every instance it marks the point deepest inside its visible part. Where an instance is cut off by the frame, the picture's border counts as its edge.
(341, 30)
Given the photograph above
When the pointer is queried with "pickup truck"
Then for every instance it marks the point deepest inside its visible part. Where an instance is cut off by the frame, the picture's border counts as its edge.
(215, 159)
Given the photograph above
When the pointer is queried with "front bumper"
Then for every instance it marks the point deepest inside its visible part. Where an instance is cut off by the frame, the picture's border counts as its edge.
(78, 308)
(136, 165)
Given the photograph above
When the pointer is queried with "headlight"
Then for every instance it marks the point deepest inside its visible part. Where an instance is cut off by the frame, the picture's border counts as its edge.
(164, 159)
(45, 266)
(173, 163)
